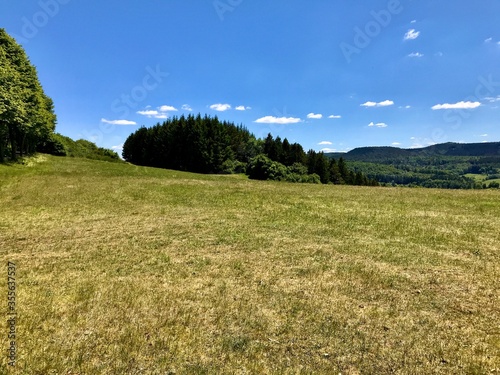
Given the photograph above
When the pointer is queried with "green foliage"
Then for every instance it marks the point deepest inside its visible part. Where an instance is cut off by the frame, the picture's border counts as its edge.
(313, 163)
(233, 167)
(194, 144)
(60, 145)
(263, 168)
(27, 116)
(53, 145)
(449, 165)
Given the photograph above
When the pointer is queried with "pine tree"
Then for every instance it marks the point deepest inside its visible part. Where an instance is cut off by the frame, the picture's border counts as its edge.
(335, 176)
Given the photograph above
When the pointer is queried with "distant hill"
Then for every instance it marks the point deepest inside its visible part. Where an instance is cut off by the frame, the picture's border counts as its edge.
(60, 145)
(447, 165)
(379, 154)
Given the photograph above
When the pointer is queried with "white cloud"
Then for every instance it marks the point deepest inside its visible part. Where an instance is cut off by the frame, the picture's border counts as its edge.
(220, 107)
(459, 105)
(325, 143)
(149, 113)
(242, 108)
(315, 116)
(186, 107)
(492, 99)
(484, 135)
(488, 40)
(278, 120)
(159, 113)
(119, 147)
(385, 103)
(118, 122)
(335, 116)
(167, 108)
(416, 54)
(413, 21)
(405, 107)
(328, 150)
(411, 34)
(378, 125)
(396, 144)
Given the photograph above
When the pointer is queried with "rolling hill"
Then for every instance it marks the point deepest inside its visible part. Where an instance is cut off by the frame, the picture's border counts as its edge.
(447, 165)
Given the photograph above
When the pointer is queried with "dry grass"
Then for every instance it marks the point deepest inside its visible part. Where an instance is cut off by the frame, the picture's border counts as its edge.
(128, 270)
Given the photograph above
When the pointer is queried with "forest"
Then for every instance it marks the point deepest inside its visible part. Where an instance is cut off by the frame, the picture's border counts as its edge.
(447, 165)
(208, 145)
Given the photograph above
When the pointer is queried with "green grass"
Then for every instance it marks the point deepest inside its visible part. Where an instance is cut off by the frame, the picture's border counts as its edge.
(131, 270)
(482, 178)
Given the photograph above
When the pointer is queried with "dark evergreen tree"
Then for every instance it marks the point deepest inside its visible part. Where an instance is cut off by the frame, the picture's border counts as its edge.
(285, 153)
(344, 172)
(335, 176)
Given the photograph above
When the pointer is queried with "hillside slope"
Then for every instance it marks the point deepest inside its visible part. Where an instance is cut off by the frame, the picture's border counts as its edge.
(380, 154)
(123, 269)
(448, 165)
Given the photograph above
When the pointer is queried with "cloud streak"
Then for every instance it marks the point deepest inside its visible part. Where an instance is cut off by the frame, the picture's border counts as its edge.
(118, 122)
(159, 113)
(315, 116)
(243, 108)
(459, 105)
(220, 107)
(278, 120)
(378, 125)
(412, 34)
(385, 103)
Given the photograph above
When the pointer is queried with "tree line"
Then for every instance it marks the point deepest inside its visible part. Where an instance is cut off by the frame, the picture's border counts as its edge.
(27, 118)
(207, 145)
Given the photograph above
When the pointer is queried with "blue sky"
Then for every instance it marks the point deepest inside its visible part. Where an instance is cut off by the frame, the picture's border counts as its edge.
(332, 75)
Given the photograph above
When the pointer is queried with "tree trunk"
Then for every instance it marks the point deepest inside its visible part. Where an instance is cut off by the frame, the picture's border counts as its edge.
(13, 144)
(2, 149)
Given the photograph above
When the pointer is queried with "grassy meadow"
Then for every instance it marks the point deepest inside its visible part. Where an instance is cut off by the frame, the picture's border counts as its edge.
(131, 270)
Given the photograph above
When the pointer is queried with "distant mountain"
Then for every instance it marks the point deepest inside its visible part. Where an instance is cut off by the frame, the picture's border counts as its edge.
(380, 154)
(447, 165)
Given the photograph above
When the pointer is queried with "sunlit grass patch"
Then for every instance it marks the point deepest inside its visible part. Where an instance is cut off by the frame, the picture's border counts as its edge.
(124, 269)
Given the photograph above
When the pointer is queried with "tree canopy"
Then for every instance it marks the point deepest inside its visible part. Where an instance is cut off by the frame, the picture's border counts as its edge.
(207, 145)
(27, 117)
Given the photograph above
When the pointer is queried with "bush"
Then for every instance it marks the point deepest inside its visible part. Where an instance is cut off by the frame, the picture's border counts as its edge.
(52, 145)
(233, 167)
(261, 168)
(312, 179)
